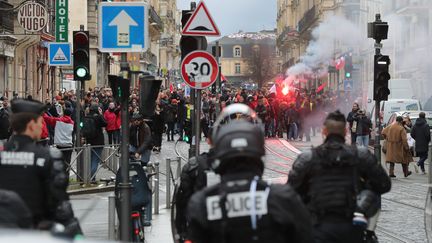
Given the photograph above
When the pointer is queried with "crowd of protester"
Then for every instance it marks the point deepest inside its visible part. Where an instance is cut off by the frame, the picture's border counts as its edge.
(298, 114)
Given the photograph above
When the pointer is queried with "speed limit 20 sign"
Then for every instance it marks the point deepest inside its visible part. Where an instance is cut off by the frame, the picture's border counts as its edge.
(199, 69)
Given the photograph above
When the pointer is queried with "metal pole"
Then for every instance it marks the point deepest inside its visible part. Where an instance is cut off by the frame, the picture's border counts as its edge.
(178, 167)
(78, 129)
(156, 189)
(197, 122)
(125, 185)
(192, 115)
(111, 217)
(168, 183)
(218, 80)
(377, 145)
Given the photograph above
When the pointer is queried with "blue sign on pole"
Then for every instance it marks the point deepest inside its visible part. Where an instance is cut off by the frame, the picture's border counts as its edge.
(59, 54)
(348, 84)
(123, 26)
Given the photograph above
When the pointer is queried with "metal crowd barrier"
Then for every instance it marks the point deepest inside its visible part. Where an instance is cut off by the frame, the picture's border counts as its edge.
(170, 178)
(109, 159)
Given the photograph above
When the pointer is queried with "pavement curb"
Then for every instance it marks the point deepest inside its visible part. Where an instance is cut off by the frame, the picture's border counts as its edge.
(91, 190)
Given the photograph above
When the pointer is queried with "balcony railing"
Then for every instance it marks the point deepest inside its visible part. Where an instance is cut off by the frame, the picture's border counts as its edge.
(307, 20)
(6, 17)
(155, 20)
(287, 34)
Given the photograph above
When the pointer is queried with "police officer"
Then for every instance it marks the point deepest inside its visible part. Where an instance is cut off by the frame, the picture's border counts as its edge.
(36, 173)
(339, 184)
(243, 207)
(198, 173)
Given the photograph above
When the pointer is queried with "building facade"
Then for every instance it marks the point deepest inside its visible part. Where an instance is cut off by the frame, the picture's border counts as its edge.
(249, 57)
(24, 68)
(296, 21)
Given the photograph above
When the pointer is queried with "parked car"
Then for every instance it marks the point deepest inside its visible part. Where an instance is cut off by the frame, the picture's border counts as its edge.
(413, 115)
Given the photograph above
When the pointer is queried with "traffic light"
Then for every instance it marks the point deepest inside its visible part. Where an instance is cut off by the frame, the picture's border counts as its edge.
(81, 55)
(149, 91)
(189, 44)
(119, 87)
(381, 77)
(348, 66)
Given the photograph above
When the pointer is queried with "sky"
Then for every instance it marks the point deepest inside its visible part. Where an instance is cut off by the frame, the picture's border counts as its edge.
(234, 15)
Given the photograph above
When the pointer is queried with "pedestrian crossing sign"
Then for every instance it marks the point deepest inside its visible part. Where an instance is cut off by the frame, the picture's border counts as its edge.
(59, 54)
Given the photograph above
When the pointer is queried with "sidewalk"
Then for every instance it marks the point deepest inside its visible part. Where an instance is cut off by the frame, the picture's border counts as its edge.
(160, 231)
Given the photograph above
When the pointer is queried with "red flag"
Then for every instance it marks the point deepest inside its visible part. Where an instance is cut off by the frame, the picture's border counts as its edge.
(321, 87)
(171, 88)
(223, 79)
(340, 63)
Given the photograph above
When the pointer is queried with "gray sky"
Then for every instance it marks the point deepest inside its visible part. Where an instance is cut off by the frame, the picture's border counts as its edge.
(234, 15)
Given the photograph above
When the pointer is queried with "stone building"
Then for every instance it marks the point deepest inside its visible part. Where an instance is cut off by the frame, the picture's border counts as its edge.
(242, 53)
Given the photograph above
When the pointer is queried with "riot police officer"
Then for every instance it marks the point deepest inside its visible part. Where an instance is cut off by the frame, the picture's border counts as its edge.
(198, 173)
(36, 173)
(339, 184)
(243, 207)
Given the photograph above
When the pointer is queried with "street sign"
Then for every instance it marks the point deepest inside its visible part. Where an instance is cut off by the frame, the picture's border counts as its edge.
(32, 16)
(348, 84)
(201, 23)
(123, 27)
(199, 69)
(59, 54)
(61, 30)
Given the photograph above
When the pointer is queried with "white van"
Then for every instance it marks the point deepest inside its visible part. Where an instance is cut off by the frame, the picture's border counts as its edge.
(391, 106)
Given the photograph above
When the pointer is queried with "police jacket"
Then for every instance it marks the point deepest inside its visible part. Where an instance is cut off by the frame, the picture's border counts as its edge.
(329, 177)
(194, 177)
(37, 175)
(227, 213)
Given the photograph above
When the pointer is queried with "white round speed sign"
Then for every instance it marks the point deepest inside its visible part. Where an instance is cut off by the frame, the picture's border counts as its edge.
(199, 69)
(32, 16)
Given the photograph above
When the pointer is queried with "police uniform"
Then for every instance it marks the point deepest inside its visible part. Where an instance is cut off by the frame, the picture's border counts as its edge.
(329, 178)
(196, 175)
(243, 207)
(37, 174)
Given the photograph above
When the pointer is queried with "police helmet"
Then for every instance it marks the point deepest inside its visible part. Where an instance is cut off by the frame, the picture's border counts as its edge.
(241, 136)
(235, 112)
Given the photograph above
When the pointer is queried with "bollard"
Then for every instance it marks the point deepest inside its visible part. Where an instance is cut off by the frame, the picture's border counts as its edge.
(156, 189)
(178, 168)
(111, 217)
(87, 164)
(430, 165)
(168, 183)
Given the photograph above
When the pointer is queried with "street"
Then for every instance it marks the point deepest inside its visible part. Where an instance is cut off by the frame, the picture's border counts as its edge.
(401, 218)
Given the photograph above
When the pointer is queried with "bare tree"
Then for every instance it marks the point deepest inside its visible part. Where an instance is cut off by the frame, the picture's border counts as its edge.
(261, 64)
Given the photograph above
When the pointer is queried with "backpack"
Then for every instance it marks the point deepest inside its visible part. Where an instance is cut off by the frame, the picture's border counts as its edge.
(88, 129)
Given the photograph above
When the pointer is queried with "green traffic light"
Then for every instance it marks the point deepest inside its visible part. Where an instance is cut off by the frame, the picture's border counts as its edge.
(81, 124)
(81, 72)
(348, 75)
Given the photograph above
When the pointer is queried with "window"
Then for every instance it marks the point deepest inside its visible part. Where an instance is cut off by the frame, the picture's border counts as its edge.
(237, 68)
(237, 51)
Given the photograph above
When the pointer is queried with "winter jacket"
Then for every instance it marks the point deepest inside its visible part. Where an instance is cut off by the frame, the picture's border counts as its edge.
(140, 137)
(364, 125)
(112, 118)
(63, 129)
(170, 113)
(397, 144)
(99, 123)
(4, 124)
(421, 134)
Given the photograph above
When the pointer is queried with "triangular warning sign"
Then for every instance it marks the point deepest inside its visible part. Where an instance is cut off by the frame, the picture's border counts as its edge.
(201, 23)
(59, 56)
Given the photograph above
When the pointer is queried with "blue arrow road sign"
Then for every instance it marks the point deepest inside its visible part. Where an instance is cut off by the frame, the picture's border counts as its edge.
(59, 54)
(123, 26)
